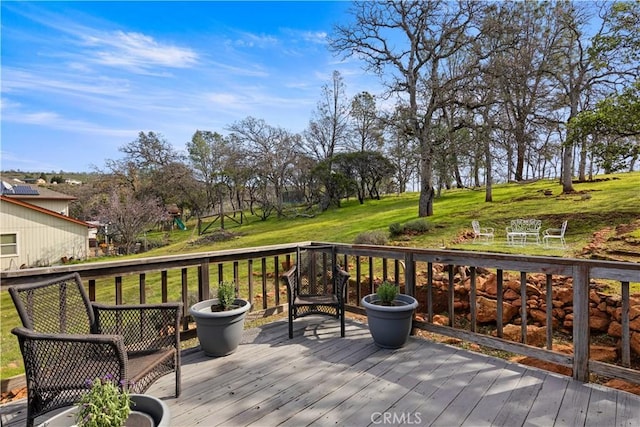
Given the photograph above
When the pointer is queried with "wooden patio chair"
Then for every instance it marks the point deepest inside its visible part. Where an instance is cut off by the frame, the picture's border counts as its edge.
(316, 285)
(555, 233)
(67, 341)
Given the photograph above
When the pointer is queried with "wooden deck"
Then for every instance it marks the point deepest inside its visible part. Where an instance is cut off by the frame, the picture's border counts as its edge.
(318, 378)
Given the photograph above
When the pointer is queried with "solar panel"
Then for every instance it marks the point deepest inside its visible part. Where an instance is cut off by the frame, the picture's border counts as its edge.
(24, 190)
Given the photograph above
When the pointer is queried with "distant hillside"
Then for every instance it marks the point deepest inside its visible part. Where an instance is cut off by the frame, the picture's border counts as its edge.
(21, 175)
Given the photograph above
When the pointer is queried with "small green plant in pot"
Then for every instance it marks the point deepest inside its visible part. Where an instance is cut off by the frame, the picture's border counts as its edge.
(106, 404)
(387, 293)
(226, 297)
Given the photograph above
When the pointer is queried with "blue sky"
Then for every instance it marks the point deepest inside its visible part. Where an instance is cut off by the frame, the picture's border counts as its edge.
(81, 79)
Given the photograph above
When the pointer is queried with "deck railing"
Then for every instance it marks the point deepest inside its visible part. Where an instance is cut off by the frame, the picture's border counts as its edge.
(189, 277)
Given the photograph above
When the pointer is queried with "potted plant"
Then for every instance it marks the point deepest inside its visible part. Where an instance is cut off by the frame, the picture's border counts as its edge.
(389, 315)
(220, 321)
(107, 404)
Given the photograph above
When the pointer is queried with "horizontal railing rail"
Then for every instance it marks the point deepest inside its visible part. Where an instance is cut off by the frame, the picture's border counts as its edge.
(257, 271)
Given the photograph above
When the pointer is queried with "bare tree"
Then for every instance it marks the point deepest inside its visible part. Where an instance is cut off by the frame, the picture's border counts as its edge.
(128, 215)
(328, 129)
(271, 153)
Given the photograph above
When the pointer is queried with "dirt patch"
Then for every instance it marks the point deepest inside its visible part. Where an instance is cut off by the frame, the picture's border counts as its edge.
(615, 244)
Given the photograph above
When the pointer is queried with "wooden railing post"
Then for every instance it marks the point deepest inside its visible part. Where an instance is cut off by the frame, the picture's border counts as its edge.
(581, 323)
(409, 274)
(203, 281)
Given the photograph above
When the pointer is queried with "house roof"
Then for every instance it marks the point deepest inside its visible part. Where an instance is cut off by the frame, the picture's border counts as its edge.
(23, 191)
(26, 205)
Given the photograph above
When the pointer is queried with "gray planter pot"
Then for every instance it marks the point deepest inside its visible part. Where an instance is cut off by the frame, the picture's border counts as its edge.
(390, 325)
(146, 411)
(220, 332)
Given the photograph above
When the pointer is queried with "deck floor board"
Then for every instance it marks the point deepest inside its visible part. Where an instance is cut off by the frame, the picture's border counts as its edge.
(318, 378)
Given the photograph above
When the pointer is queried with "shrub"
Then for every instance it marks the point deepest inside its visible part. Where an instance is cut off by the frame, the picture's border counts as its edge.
(226, 294)
(396, 229)
(371, 238)
(387, 293)
(417, 226)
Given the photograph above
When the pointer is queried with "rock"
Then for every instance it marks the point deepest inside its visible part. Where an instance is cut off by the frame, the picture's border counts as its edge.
(564, 295)
(602, 353)
(615, 329)
(511, 295)
(547, 366)
(490, 286)
(539, 316)
(558, 313)
(439, 319)
(487, 310)
(536, 336)
(598, 320)
(634, 343)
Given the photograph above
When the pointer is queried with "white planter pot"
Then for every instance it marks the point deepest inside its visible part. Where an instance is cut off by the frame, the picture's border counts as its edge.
(390, 325)
(219, 332)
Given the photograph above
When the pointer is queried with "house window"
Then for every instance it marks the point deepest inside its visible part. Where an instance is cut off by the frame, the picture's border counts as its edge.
(8, 244)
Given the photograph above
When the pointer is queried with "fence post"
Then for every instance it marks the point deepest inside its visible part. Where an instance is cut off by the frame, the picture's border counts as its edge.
(581, 323)
(409, 274)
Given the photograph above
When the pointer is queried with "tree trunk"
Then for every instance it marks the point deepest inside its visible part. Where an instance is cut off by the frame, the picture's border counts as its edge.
(427, 193)
(582, 167)
(567, 167)
(488, 195)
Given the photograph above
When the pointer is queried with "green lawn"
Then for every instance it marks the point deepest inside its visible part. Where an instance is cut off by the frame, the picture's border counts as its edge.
(613, 200)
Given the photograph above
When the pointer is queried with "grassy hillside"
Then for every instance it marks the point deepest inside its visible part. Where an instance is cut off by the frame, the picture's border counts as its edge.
(608, 202)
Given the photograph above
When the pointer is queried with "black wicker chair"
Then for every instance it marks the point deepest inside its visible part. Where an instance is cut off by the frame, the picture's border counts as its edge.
(316, 285)
(67, 341)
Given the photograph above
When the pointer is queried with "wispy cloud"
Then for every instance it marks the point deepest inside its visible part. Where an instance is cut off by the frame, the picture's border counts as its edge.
(318, 37)
(54, 120)
(136, 51)
(55, 81)
(263, 41)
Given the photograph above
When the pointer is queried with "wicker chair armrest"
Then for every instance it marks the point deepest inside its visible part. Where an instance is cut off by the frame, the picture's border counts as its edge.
(145, 327)
(89, 355)
(508, 229)
(487, 230)
(111, 339)
(341, 285)
(289, 279)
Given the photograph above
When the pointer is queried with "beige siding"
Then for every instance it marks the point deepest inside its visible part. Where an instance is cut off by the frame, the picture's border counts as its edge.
(42, 239)
(59, 206)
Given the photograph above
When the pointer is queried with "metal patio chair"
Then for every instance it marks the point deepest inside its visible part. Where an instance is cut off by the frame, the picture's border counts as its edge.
(482, 233)
(316, 285)
(555, 233)
(67, 341)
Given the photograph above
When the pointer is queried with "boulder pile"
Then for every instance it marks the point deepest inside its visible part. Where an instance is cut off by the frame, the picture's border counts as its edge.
(604, 316)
